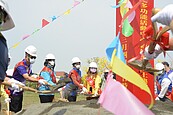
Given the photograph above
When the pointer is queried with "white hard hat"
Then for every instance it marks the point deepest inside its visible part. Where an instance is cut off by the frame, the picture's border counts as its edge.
(159, 66)
(8, 24)
(93, 64)
(50, 56)
(106, 70)
(75, 60)
(31, 50)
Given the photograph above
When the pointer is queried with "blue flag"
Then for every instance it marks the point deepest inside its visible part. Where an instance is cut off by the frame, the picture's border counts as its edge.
(115, 45)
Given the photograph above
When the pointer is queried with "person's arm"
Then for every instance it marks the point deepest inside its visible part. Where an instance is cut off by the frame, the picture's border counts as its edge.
(75, 81)
(97, 84)
(155, 29)
(27, 77)
(46, 76)
(154, 24)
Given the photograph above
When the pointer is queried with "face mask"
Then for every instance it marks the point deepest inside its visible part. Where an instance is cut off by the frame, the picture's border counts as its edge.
(52, 63)
(32, 61)
(93, 70)
(78, 66)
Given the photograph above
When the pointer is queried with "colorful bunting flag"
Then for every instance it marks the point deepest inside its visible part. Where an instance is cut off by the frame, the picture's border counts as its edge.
(76, 3)
(44, 22)
(53, 18)
(26, 36)
(67, 12)
(15, 45)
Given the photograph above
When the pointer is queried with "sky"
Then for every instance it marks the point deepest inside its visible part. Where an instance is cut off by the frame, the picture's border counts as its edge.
(85, 32)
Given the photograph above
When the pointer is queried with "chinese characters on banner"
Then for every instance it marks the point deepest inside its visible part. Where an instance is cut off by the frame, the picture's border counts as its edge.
(132, 47)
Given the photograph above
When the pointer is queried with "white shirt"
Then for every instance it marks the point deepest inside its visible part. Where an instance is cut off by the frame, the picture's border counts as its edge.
(165, 16)
(171, 77)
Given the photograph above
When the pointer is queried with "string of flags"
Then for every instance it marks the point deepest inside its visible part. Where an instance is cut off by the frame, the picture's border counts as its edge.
(45, 23)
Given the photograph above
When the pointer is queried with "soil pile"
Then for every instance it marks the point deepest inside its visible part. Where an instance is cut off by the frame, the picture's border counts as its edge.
(89, 107)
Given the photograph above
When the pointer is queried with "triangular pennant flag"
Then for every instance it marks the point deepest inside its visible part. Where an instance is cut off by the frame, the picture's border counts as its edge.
(53, 18)
(15, 45)
(67, 12)
(44, 22)
(76, 3)
(26, 36)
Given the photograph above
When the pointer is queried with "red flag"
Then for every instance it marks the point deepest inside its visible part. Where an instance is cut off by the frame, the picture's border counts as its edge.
(44, 22)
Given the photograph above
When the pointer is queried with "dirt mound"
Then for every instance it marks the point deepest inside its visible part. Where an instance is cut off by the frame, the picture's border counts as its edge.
(163, 108)
(89, 107)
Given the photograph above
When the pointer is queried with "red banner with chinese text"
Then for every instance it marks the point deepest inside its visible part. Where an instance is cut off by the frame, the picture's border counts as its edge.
(132, 47)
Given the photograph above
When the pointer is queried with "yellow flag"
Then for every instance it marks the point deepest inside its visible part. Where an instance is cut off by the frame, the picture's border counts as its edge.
(15, 45)
(67, 12)
(129, 74)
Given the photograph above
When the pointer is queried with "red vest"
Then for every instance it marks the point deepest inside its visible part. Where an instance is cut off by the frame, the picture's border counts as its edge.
(21, 63)
(46, 69)
(78, 78)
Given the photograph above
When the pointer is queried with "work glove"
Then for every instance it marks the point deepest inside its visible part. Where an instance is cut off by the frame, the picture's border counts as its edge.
(16, 88)
(12, 80)
(42, 81)
(84, 90)
(34, 76)
(96, 94)
(7, 100)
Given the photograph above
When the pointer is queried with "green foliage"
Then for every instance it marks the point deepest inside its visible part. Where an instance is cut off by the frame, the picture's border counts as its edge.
(32, 84)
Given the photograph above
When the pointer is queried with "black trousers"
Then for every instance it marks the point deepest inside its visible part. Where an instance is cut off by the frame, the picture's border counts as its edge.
(46, 98)
(72, 98)
(16, 103)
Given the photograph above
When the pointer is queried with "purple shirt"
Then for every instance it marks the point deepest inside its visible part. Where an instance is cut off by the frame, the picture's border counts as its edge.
(19, 71)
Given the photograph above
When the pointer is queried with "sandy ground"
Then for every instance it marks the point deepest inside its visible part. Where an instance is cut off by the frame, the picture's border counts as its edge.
(89, 107)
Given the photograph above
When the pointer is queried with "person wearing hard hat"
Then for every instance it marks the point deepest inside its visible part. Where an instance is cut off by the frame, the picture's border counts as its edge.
(92, 80)
(70, 91)
(163, 82)
(48, 74)
(6, 23)
(107, 73)
(22, 72)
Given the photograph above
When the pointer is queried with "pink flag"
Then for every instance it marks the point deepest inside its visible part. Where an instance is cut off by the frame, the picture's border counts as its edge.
(44, 22)
(76, 3)
(26, 36)
(120, 101)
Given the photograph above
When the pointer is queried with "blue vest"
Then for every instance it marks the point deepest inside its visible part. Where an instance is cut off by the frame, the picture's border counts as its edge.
(165, 75)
